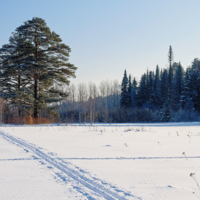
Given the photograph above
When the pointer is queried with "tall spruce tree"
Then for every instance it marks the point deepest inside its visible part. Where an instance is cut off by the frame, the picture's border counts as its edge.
(170, 74)
(142, 91)
(166, 112)
(164, 86)
(157, 89)
(195, 65)
(124, 91)
(171, 95)
(194, 89)
(42, 59)
(186, 90)
(178, 86)
(134, 93)
(151, 89)
(129, 99)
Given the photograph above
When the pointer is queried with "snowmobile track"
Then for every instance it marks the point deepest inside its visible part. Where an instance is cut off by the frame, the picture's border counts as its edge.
(76, 175)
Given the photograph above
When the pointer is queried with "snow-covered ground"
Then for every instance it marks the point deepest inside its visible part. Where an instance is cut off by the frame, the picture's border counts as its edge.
(102, 161)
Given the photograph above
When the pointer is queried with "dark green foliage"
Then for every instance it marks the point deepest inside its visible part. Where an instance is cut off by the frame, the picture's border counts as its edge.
(13, 76)
(129, 99)
(166, 112)
(170, 90)
(164, 88)
(195, 65)
(185, 96)
(150, 89)
(170, 74)
(134, 93)
(194, 89)
(124, 101)
(142, 91)
(37, 60)
(170, 56)
(157, 88)
(178, 86)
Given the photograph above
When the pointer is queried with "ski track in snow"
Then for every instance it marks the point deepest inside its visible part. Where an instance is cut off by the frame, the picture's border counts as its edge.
(133, 158)
(18, 159)
(95, 185)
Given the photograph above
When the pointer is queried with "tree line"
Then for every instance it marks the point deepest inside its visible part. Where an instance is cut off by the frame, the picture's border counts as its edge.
(34, 81)
(163, 95)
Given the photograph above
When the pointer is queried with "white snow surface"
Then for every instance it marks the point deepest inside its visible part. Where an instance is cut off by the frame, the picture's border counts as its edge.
(100, 161)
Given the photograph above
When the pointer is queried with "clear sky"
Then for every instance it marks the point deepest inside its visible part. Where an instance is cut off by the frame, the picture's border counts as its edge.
(108, 36)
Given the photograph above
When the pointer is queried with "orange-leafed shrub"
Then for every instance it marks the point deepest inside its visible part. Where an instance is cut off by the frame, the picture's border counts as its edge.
(29, 120)
(42, 121)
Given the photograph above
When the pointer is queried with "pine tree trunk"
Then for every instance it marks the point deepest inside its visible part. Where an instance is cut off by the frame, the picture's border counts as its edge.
(36, 114)
(19, 104)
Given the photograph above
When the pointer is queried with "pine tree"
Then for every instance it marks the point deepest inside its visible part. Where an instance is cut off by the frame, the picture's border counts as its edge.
(13, 75)
(124, 92)
(42, 59)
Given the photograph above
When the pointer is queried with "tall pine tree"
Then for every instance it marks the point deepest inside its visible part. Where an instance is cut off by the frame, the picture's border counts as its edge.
(41, 56)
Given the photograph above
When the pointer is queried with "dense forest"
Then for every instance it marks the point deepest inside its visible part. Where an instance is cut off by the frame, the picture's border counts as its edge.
(163, 95)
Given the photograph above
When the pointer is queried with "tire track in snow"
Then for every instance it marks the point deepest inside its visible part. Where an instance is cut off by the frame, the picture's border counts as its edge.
(88, 183)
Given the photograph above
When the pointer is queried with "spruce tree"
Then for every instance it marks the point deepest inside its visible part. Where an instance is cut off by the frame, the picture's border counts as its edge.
(164, 86)
(171, 94)
(194, 89)
(185, 96)
(134, 93)
(129, 99)
(151, 89)
(170, 74)
(124, 92)
(142, 91)
(157, 89)
(178, 86)
(166, 112)
(195, 65)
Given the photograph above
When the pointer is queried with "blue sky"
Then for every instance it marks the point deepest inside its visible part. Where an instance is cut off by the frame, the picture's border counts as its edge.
(108, 36)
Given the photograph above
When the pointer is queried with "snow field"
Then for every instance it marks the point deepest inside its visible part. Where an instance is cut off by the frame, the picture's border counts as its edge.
(127, 161)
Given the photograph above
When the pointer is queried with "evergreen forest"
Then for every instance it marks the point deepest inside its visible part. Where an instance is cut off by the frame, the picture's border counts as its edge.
(35, 87)
(165, 95)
